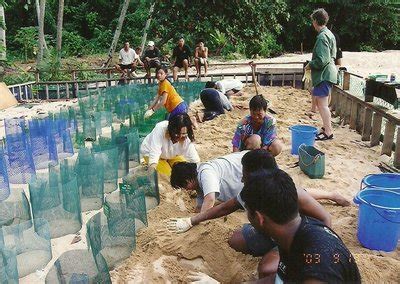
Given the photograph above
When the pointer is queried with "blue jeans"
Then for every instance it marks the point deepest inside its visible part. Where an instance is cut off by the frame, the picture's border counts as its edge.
(257, 243)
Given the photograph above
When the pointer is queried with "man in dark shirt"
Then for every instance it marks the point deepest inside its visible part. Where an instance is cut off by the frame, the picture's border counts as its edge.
(182, 55)
(309, 250)
(151, 58)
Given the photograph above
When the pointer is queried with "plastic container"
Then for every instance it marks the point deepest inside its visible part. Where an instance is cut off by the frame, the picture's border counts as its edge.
(378, 219)
(302, 134)
(311, 161)
(385, 181)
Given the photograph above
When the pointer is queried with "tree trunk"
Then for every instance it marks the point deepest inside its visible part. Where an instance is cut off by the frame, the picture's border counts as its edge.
(41, 31)
(117, 32)
(2, 34)
(146, 27)
(38, 18)
(60, 26)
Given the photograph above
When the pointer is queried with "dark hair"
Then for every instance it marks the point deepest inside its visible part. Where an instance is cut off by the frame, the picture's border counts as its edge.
(165, 69)
(178, 121)
(272, 193)
(182, 173)
(320, 16)
(258, 102)
(210, 84)
(199, 40)
(258, 159)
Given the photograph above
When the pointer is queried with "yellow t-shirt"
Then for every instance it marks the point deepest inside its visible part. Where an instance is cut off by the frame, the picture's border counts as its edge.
(173, 98)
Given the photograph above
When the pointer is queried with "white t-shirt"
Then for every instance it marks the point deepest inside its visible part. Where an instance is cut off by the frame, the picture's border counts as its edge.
(157, 145)
(223, 176)
(127, 57)
(227, 85)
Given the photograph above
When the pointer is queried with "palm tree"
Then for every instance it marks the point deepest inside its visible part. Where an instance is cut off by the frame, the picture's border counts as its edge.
(117, 32)
(60, 26)
(2, 32)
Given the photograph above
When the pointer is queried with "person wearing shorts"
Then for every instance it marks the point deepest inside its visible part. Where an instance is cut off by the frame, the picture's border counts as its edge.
(323, 70)
(151, 58)
(200, 58)
(128, 58)
(182, 55)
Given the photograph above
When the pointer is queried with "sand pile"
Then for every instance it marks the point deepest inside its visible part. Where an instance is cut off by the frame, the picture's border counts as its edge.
(161, 256)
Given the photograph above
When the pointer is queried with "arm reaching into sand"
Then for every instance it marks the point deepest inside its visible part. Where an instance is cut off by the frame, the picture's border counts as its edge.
(182, 225)
(310, 207)
(200, 278)
(208, 202)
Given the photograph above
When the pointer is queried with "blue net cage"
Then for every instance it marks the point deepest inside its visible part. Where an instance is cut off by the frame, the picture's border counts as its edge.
(18, 158)
(15, 209)
(109, 157)
(8, 266)
(4, 184)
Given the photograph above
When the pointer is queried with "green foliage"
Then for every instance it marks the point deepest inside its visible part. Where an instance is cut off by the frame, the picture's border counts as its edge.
(27, 38)
(50, 67)
(72, 43)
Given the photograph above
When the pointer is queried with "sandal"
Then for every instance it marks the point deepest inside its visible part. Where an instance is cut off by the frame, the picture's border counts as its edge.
(322, 137)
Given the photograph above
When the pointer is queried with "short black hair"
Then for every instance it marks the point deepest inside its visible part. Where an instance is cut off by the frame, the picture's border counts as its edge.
(258, 159)
(258, 102)
(272, 193)
(199, 40)
(178, 121)
(182, 173)
(210, 84)
(165, 69)
(320, 16)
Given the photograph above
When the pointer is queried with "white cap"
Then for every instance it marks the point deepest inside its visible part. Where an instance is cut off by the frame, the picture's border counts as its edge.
(150, 43)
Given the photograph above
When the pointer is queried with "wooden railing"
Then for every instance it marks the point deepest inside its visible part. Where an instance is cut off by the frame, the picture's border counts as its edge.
(23, 92)
(374, 122)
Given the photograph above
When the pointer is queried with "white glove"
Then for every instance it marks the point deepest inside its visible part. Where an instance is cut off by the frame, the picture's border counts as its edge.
(200, 278)
(307, 75)
(179, 225)
(148, 113)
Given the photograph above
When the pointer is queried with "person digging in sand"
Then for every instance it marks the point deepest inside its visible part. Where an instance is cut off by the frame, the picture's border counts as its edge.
(323, 70)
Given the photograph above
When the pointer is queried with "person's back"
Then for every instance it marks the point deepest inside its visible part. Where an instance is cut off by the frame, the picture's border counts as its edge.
(318, 253)
(226, 171)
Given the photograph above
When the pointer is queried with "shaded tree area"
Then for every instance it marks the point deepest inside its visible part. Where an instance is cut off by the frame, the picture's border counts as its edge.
(248, 27)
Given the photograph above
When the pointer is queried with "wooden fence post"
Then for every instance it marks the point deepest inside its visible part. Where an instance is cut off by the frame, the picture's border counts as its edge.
(388, 139)
(366, 132)
(346, 81)
(376, 129)
(396, 161)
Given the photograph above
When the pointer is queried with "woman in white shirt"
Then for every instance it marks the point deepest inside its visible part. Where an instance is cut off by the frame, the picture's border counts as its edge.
(168, 143)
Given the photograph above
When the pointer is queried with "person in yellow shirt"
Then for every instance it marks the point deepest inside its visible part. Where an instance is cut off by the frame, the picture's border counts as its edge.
(167, 96)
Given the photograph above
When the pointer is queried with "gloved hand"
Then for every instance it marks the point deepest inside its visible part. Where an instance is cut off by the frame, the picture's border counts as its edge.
(179, 225)
(307, 75)
(200, 278)
(151, 168)
(148, 113)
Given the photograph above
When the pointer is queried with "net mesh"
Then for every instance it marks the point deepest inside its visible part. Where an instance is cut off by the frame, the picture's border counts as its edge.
(15, 209)
(55, 198)
(8, 266)
(88, 268)
(4, 184)
(32, 245)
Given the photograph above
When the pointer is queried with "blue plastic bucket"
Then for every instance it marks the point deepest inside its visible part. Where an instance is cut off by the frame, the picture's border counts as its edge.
(378, 218)
(302, 134)
(385, 181)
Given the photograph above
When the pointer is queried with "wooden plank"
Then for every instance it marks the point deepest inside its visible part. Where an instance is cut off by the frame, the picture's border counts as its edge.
(87, 87)
(366, 132)
(376, 129)
(360, 118)
(353, 114)
(332, 103)
(294, 80)
(47, 91)
(247, 79)
(283, 80)
(347, 111)
(396, 160)
(58, 91)
(26, 92)
(346, 81)
(67, 89)
(388, 139)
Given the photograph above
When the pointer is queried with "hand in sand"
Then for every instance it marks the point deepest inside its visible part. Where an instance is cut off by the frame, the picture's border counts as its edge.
(148, 113)
(200, 278)
(179, 225)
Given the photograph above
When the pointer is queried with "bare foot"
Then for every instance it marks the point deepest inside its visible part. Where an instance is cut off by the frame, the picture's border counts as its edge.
(340, 200)
(199, 117)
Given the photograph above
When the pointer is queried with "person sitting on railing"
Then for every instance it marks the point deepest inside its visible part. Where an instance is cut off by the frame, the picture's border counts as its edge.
(201, 57)
(257, 130)
(168, 143)
(182, 55)
(128, 61)
(214, 103)
(323, 70)
(151, 58)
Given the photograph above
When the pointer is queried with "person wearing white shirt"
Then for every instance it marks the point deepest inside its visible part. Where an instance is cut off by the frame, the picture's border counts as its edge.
(168, 143)
(127, 61)
(229, 87)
